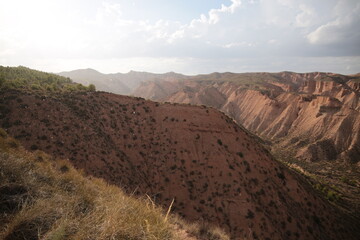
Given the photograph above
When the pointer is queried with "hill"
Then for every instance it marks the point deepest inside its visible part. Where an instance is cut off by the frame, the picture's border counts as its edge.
(46, 198)
(36, 81)
(304, 112)
(119, 83)
(310, 120)
(212, 168)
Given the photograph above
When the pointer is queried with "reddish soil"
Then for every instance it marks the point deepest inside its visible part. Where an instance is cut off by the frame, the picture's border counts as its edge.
(310, 120)
(214, 169)
(315, 115)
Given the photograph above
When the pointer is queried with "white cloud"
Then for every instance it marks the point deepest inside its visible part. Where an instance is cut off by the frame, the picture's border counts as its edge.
(344, 29)
(306, 17)
(287, 3)
(214, 14)
(239, 44)
(247, 29)
(273, 41)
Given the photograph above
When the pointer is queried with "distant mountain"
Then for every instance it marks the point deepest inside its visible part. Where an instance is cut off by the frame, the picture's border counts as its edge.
(119, 83)
(196, 157)
(102, 82)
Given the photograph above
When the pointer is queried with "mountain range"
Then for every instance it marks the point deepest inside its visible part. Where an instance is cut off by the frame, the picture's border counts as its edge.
(118, 83)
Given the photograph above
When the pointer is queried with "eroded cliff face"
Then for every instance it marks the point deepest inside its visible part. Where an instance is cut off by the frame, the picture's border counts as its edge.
(212, 168)
(314, 114)
(301, 122)
(354, 85)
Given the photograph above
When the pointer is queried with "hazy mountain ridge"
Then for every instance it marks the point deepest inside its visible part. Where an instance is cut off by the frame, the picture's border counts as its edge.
(119, 83)
(211, 167)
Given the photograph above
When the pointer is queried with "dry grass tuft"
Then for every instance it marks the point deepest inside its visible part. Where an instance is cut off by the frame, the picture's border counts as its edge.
(200, 230)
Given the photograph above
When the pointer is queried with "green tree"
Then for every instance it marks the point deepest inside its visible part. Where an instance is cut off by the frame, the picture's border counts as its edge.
(92, 88)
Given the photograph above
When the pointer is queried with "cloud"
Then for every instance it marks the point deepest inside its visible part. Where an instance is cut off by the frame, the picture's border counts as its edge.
(241, 29)
(345, 29)
(239, 44)
(199, 27)
(306, 17)
(214, 14)
(163, 38)
(299, 28)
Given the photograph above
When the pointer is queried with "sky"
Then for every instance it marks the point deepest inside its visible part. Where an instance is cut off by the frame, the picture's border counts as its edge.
(185, 36)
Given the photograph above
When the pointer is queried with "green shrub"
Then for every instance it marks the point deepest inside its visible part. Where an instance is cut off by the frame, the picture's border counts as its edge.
(22, 78)
(348, 181)
(330, 194)
(3, 133)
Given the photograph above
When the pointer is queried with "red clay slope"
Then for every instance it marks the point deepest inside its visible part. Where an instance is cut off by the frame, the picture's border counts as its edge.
(213, 169)
(316, 115)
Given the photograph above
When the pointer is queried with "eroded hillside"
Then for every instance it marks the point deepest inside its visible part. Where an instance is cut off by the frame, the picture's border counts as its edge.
(212, 168)
(314, 115)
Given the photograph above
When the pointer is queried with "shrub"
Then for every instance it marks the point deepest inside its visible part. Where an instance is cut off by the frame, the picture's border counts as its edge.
(92, 88)
(12, 143)
(240, 154)
(3, 133)
(348, 181)
(249, 214)
(281, 176)
(330, 194)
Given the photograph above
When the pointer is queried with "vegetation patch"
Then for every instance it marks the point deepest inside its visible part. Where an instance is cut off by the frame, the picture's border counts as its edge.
(22, 78)
(328, 192)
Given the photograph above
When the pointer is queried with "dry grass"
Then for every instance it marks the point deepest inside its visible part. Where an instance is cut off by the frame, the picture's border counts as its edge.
(201, 230)
(44, 198)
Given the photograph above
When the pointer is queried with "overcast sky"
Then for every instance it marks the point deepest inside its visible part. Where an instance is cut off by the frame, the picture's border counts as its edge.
(186, 36)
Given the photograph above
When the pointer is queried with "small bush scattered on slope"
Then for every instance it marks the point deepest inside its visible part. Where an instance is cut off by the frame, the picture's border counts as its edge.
(44, 198)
